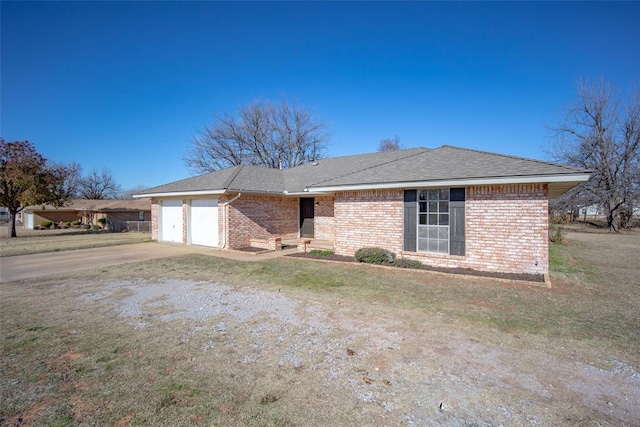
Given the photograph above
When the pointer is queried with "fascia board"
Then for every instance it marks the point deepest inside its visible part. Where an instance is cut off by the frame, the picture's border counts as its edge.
(181, 193)
(307, 193)
(532, 179)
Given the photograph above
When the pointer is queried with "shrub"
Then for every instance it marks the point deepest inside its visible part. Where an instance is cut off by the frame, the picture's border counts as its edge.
(375, 256)
(321, 252)
(63, 225)
(46, 224)
(556, 233)
(75, 223)
(102, 221)
(407, 263)
(86, 226)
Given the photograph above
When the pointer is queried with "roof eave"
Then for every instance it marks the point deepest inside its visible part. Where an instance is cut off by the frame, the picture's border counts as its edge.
(525, 179)
(181, 193)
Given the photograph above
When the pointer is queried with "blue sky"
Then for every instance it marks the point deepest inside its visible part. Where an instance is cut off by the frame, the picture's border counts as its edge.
(127, 85)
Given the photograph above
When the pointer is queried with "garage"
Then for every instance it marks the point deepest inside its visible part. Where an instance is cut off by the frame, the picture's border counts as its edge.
(203, 219)
(171, 221)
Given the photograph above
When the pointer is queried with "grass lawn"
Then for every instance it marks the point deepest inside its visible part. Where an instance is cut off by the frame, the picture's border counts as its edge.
(40, 241)
(198, 340)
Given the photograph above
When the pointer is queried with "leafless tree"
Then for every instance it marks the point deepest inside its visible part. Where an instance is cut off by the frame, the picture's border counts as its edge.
(273, 135)
(601, 132)
(389, 144)
(98, 185)
(127, 194)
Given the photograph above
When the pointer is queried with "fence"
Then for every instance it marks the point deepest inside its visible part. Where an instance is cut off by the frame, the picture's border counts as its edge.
(137, 226)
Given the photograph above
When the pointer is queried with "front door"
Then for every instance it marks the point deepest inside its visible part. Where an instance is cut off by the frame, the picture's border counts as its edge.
(306, 217)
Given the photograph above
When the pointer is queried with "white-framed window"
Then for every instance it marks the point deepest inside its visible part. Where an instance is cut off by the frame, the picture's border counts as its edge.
(433, 220)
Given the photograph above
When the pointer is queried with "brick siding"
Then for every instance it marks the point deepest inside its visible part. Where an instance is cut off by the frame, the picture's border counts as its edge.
(368, 218)
(323, 218)
(261, 217)
(506, 227)
(155, 211)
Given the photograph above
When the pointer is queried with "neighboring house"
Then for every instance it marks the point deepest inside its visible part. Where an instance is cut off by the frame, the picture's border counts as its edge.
(446, 207)
(117, 213)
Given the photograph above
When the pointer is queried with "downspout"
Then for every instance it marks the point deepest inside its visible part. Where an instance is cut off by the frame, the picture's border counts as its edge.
(224, 219)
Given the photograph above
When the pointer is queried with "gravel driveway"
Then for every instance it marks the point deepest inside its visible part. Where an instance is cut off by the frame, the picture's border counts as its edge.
(389, 370)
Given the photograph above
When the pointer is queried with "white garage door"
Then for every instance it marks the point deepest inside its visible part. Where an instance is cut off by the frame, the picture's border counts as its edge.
(171, 221)
(204, 222)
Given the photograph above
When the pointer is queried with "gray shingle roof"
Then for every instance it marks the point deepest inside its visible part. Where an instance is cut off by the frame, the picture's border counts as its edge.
(447, 163)
(403, 166)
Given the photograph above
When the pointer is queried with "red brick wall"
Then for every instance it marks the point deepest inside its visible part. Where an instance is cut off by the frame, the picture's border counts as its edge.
(368, 218)
(506, 227)
(260, 217)
(323, 218)
(155, 211)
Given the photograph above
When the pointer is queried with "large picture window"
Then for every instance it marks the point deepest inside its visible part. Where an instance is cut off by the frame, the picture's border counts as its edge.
(433, 225)
(434, 220)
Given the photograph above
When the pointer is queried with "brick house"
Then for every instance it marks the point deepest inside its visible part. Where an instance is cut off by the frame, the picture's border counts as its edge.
(115, 212)
(446, 207)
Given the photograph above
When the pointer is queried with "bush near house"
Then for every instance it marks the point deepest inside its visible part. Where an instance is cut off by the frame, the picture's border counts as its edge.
(375, 256)
(407, 263)
(385, 257)
(556, 233)
(46, 224)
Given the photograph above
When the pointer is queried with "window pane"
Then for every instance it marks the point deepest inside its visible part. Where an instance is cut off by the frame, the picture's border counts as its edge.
(443, 233)
(433, 194)
(433, 233)
(433, 207)
(457, 195)
(433, 219)
(444, 219)
(423, 219)
(423, 232)
(443, 246)
(444, 194)
(423, 206)
(443, 206)
(423, 195)
(422, 245)
(432, 246)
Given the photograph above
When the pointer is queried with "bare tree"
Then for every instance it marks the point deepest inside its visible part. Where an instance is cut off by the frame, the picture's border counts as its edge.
(127, 194)
(601, 132)
(389, 144)
(98, 185)
(279, 135)
(26, 178)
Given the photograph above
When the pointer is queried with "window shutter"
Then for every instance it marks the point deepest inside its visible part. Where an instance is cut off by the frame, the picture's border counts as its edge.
(410, 220)
(456, 226)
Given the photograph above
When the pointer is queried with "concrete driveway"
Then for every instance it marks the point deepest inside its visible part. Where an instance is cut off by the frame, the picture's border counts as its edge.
(50, 263)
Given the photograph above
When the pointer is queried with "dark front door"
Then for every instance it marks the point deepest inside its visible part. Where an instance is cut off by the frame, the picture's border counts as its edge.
(306, 217)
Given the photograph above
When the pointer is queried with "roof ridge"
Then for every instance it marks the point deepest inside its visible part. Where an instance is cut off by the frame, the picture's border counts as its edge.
(511, 156)
(374, 166)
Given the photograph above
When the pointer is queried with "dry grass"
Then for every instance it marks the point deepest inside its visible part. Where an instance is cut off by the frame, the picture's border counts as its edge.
(40, 241)
(370, 346)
